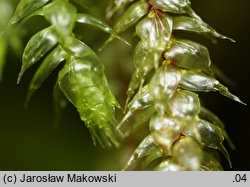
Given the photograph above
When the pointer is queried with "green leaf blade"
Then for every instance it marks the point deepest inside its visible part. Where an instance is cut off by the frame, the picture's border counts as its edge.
(131, 16)
(145, 148)
(196, 81)
(175, 6)
(25, 8)
(195, 25)
(209, 116)
(189, 55)
(47, 66)
(87, 19)
(83, 82)
(139, 102)
(36, 48)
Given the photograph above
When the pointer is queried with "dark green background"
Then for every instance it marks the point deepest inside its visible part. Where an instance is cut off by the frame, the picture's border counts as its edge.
(28, 141)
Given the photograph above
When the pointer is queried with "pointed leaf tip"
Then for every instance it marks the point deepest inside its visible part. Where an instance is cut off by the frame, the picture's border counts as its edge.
(224, 91)
(87, 19)
(36, 48)
(20, 75)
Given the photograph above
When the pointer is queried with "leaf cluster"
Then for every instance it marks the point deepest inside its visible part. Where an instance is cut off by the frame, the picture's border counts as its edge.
(169, 71)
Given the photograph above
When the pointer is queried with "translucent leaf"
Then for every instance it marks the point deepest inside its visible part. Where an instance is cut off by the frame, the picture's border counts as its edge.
(175, 6)
(211, 136)
(196, 81)
(150, 158)
(83, 82)
(144, 61)
(136, 11)
(132, 88)
(87, 19)
(140, 101)
(165, 130)
(189, 55)
(195, 25)
(163, 85)
(212, 118)
(145, 148)
(37, 47)
(184, 104)
(48, 65)
(187, 153)
(144, 116)
(3, 51)
(155, 31)
(131, 16)
(25, 8)
(62, 16)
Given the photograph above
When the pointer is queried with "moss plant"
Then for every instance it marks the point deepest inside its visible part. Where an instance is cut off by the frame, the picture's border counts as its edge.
(170, 71)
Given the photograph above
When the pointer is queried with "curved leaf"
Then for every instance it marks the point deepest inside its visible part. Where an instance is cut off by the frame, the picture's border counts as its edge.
(135, 12)
(87, 19)
(189, 55)
(47, 66)
(146, 148)
(133, 86)
(195, 25)
(175, 6)
(212, 136)
(131, 16)
(144, 116)
(140, 101)
(37, 47)
(212, 118)
(25, 8)
(83, 82)
(196, 81)
(144, 61)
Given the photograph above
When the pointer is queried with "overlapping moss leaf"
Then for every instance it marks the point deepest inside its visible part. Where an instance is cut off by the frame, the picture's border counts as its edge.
(181, 67)
(82, 79)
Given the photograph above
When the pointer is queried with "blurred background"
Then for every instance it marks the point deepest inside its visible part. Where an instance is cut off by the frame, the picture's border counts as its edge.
(29, 141)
